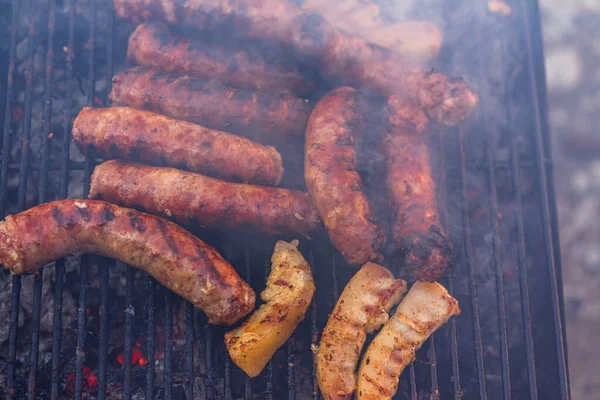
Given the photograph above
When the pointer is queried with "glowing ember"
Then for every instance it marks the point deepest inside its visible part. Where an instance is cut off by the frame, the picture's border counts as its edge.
(90, 382)
(136, 357)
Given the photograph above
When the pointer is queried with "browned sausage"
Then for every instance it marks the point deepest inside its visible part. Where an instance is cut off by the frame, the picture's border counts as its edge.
(172, 255)
(193, 199)
(152, 45)
(123, 132)
(417, 230)
(332, 178)
(265, 117)
(344, 58)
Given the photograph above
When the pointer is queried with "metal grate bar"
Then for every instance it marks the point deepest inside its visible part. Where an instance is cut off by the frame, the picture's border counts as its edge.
(209, 385)
(150, 337)
(129, 314)
(412, 382)
(189, 349)
(432, 357)
(103, 339)
(471, 272)
(247, 277)
(443, 188)
(168, 344)
(267, 270)
(314, 332)
(548, 222)
(35, 334)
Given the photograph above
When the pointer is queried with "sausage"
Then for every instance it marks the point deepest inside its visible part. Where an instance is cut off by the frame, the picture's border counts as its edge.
(262, 116)
(193, 199)
(172, 255)
(426, 307)
(361, 309)
(332, 177)
(417, 230)
(123, 132)
(289, 292)
(418, 40)
(152, 45)
(341, 57)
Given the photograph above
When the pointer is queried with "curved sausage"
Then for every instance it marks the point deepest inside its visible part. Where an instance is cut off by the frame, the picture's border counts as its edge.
(417, 230)
(193, 199)
(123, 132)
(332, 177)
(152, 45)
(343, 58)
(172, 255)
(262, 116)
(362, 308)
(426, 307)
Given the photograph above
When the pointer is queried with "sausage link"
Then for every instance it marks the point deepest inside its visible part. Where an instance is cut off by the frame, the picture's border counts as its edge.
(417, 230)
(172, 255)
(332, 177)
(123, 132)
(193, 199)
(343, 58)
(152, 45)
(262, 116)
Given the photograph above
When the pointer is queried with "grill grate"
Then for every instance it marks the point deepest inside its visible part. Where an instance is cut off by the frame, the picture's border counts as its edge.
(494, 175)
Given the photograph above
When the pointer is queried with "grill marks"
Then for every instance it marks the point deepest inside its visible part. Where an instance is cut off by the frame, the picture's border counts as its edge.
(162, 227)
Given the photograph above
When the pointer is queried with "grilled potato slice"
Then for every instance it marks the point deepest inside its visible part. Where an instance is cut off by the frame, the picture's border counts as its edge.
(362, 308)
(426, 307)
(290, 289)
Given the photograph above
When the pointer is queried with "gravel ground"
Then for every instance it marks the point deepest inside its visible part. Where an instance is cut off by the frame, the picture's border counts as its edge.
(572, 52)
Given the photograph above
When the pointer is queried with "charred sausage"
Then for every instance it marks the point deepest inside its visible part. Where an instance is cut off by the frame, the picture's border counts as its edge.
(123, 132)
(343, 58)
(193, 199)
(332, 177)
(262, 116)
(417, 230)
(361, 309)
(172, 255)
(152, 45)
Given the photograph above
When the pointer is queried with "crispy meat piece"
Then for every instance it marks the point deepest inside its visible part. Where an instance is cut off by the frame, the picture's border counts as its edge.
(342, 57)
(417, 230)
(152, 45)
(289, 292)
(123, 132)
(426, 307)
(172, 255)
(193, 199)
(361, 309)
(332, 177)
(261, 116)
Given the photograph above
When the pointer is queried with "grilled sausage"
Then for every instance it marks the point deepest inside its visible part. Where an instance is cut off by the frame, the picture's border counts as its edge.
(193, 199)
(417, 230)
(426, 307)
(332, 178)
(172, 255)
(361, 309)
(289, 292)
(152, 45)
(343, 58)
(123, 132)
(262, 116)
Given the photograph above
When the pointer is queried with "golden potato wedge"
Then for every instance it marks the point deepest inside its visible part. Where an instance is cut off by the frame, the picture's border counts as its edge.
(426, 307)
(362, 308)
(290, 289)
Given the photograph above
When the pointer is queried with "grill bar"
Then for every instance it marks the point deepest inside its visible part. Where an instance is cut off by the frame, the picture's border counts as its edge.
(168, 344)
(150, 337)
(314, 332)
(129, 313)
(103, 336)
(209, 385)
(189, 350)
(548, 221)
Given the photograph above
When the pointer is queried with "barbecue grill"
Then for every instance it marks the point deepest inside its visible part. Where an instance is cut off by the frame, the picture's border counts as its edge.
(494, 175)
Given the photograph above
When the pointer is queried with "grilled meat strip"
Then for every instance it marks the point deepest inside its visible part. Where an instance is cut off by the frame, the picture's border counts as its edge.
(123, 132)
(193, 199)
(289, 292)
(262, 116)
(361, 309)
(426, 307)
(152, 45)
(172, 255)
(332, 177)
(343, 58)
(417, 230)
